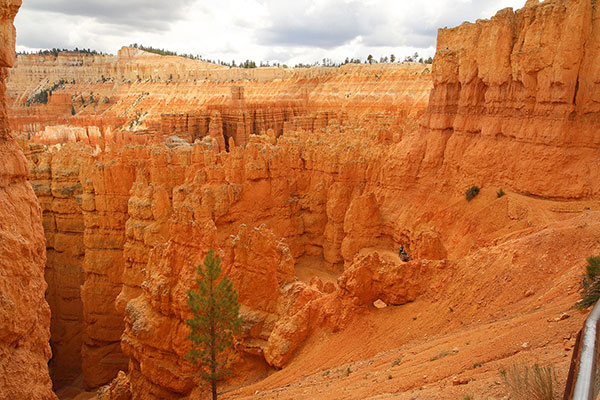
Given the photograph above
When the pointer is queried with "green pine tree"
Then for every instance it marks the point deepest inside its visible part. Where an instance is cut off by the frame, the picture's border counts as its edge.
(216, 320)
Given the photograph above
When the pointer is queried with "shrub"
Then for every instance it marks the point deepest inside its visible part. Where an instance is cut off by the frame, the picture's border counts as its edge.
(525, 383)
(500, 193)
(472, 192)
(590, 284)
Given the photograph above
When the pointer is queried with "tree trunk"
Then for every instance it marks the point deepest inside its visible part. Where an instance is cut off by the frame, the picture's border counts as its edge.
(213, 355)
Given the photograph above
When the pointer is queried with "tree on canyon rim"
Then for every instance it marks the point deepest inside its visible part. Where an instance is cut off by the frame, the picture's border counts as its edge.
(216, 320)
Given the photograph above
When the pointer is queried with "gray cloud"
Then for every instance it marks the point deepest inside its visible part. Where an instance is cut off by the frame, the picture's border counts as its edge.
(288, 31)
(379, 23)
(42, 37)
(153, 15)
(309, 36)
(330, 26)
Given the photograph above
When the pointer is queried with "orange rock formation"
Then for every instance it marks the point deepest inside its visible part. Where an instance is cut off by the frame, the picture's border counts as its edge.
(515, 100)
(306, 182)
(55, 179)
(24, 313)
(235, 102)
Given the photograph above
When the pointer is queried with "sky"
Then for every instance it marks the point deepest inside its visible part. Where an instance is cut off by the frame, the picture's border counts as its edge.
(283, 31)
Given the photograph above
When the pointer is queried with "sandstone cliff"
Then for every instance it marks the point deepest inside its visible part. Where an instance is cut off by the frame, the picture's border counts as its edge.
(147, 109)
(486, 124)
(24, 312)
(515, 101)
(55, 179)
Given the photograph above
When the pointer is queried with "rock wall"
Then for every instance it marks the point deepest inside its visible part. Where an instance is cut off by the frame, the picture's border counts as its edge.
(108, 206)
(55, 180)
(104, 201)
(515, 100)
(24, 312)
(306, 198)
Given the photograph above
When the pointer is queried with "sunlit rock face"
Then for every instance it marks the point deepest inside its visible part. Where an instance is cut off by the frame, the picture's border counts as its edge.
(515, 99)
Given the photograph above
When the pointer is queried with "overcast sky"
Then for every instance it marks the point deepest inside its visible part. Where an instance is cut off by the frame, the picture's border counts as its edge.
(286, 31)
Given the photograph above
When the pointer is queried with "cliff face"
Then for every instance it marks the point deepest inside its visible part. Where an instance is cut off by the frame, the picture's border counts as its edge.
(24, 313)
(515, 100)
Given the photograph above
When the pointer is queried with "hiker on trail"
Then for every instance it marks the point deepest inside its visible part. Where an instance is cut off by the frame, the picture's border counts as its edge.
(402, 254)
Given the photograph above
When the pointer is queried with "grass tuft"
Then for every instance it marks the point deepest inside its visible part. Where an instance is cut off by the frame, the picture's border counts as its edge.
(530, 383)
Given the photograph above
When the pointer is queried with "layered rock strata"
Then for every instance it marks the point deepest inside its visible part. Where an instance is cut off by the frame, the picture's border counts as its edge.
(241, 105)
(24, 312)
(485, 121)
(515, 100)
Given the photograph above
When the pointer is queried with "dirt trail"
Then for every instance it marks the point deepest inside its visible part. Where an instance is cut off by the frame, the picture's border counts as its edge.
(309, 267)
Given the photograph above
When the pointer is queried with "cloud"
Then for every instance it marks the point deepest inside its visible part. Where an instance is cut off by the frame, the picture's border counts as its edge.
(304, 23)
(380, 23)
(286, 31)
(154, 15)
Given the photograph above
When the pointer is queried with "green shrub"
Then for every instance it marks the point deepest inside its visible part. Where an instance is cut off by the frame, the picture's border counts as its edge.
(500, 193)
(525, 383)
(472, 192)
(590, 284)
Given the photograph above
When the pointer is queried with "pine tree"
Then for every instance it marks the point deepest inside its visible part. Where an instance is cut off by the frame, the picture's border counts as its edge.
(216, 319)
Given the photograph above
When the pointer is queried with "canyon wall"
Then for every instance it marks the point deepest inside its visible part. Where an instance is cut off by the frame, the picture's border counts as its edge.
(24, 312)
(151, 108)
(106, 178)
(55, 179)
(515, 101)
